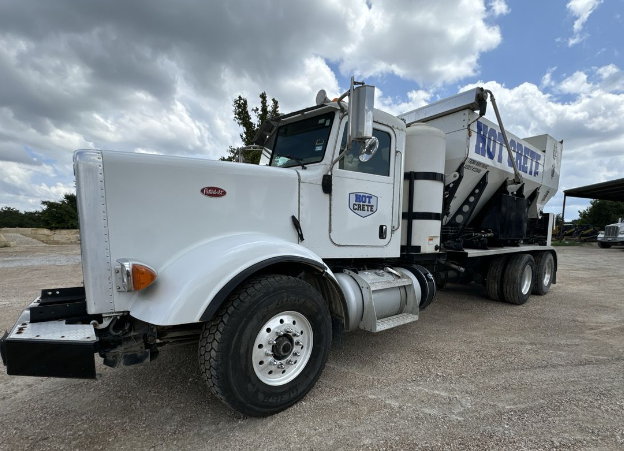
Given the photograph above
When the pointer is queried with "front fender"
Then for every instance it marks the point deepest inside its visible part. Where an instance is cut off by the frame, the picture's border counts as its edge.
(204, 275)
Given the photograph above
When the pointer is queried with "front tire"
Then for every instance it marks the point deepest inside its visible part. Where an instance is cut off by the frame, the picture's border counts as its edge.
(603, 245)
(267, 345)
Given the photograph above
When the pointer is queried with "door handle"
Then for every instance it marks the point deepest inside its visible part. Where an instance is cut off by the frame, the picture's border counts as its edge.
(383, 232)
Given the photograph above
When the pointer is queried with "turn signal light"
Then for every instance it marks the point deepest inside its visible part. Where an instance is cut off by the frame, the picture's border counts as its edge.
(132, 275)
(142, 276)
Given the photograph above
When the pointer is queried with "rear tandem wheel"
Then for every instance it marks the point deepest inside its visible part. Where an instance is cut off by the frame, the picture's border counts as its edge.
(494, 277)
(518, 279)
(544, 272)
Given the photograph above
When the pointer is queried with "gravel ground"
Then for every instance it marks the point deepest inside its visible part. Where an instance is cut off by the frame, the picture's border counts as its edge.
(470, 374)
(21, 240)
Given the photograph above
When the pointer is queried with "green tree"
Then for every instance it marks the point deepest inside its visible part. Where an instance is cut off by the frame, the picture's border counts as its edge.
(243, 117)
(601, 213)
(60, 215)
(12, 217)
(55, 215)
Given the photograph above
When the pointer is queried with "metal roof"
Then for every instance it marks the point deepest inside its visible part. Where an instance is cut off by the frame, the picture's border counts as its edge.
(612, 190)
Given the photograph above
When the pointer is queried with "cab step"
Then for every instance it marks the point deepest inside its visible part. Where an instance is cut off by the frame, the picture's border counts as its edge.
(394, 321)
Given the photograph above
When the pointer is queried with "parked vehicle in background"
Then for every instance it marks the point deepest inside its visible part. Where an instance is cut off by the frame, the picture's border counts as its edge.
(612, 234)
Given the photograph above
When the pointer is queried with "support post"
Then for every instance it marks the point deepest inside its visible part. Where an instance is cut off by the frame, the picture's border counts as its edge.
(562, 217)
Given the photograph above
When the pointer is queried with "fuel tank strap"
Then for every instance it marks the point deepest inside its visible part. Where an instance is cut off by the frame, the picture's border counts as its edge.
(434, 176)
(422, 216)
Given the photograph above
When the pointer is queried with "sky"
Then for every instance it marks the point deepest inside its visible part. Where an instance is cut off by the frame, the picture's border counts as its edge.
(160, 76)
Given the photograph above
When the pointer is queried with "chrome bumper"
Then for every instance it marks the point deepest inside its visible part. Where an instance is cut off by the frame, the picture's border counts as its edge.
(611, 239)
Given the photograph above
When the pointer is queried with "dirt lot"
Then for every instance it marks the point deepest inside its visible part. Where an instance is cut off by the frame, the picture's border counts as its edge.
(471, 373)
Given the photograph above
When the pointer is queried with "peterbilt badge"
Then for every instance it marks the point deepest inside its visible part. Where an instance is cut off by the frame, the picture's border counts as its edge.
(213, 191)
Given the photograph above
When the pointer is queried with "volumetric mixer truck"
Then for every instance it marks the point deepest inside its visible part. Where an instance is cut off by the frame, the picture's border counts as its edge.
(352, 219)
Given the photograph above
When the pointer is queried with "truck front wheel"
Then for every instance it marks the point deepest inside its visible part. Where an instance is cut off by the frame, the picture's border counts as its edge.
(267, 345)
(603, 245)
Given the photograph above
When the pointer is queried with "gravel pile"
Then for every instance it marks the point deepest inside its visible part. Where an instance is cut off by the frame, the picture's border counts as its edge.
(21, 240)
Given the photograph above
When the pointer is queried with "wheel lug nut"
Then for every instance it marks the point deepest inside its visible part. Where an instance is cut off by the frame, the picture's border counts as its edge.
(296, 353)
(298, 343)
(290, 362)
(268, 353)
(295, 335)
(279, 333)
(271, 341)
(289, 330)
(273, 362)
(280, 366)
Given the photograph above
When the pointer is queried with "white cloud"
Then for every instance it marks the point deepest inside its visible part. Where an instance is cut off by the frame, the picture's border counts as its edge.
(499, 8)
(581, 9)
(396, 106)
(547, 80)
(575, 84)
(120, 75)
(429, 42)
(611, 78)
(21, 186)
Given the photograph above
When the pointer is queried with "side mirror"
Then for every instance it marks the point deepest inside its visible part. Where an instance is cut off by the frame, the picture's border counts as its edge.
(361, 106)
(369, 148)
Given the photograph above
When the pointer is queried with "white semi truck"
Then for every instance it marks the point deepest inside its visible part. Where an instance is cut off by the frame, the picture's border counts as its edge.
(612, 234)
(351, 220)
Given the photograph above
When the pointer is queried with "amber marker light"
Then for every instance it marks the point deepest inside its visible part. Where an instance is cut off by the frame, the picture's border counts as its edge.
(142, 276)
(133, 276)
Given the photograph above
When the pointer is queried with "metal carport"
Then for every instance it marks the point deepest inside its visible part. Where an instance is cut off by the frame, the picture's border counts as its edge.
(612, 190)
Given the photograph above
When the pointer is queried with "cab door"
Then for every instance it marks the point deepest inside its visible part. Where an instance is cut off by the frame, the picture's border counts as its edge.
(362, 193)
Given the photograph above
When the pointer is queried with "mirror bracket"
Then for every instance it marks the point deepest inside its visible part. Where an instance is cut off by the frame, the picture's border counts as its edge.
(326, 183)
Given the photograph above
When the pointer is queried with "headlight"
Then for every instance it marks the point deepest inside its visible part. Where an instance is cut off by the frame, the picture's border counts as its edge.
(600, 234)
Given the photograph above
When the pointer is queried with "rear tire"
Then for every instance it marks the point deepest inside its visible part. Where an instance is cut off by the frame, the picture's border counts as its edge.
(603, 245)
(253, 354)
(494, 278)
(544, 273)
(518, 279)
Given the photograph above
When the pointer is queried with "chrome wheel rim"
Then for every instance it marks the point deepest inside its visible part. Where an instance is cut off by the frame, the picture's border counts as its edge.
(548, 270)
(282, 348)
(527, 278)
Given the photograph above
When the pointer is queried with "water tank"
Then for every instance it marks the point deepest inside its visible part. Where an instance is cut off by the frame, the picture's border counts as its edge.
(425, 148)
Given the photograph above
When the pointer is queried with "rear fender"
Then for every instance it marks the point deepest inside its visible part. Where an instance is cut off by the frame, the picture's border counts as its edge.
(193, 285)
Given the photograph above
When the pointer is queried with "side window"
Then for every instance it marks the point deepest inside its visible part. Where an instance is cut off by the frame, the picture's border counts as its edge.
(378, 165)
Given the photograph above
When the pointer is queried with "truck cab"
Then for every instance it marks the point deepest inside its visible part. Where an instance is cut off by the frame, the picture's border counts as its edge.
(359, 216)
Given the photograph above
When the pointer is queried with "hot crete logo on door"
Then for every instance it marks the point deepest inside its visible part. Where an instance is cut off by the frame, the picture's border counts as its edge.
(213, 191)
(362, 204)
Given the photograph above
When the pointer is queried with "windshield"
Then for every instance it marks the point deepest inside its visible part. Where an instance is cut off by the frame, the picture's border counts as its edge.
(301, 142)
